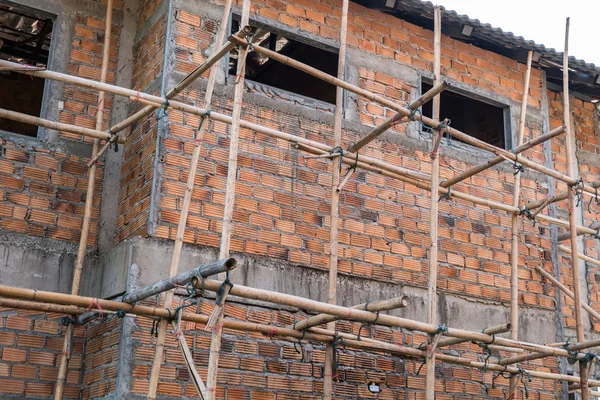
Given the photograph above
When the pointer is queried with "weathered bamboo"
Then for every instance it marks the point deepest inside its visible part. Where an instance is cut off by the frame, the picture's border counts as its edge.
(57, 126)
(187, 198)
(216, 319)
(497, 160)
(204, 271)
(89, 203)
(323, 335)
(582, 256)
(567, 235)
(373, 306)
(515, 220)
(569, 137)
(180, 87)
(188, 359)
(493, 330)
(432, 339)
(290, 300)
(415, 105)
(328, 373)
(368, 162)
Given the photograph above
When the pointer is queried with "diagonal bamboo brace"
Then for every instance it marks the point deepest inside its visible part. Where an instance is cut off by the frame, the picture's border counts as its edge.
(493, 330)
(415, 105)
(373, 306)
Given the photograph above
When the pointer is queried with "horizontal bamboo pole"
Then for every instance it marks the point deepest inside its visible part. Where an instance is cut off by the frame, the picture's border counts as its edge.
(567, 235)
(582, 256)
(493, 330)
(373, 306)
(497, 160)
(374, 164)
(415, 105)
(57, 126)
(184, 278)
(204, 271)
(269, 330)
(566, 291)
(49, 307)
(294, 301)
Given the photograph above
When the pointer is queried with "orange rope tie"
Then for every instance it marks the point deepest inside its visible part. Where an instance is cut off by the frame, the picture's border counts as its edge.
(96, 304)
(271, 332)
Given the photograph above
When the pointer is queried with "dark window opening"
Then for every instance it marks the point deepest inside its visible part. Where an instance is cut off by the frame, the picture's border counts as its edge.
(473, 117)
(261, 69)
(24, 38)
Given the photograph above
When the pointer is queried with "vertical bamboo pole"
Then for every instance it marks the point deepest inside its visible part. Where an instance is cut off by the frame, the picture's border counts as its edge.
(217, 331)
(583, 370)
(335, 200)
(187, 198)
(89, 203)
(514, 246)
(433, 218)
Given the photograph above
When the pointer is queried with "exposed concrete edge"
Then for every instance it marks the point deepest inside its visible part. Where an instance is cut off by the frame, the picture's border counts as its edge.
(91, 7)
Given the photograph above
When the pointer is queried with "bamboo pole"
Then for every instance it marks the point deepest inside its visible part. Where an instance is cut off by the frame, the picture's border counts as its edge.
(180, 87)
(290, 300)
(216, 319)
(567, 235)
(415, 105)
(329, 372)
(321, 335)
(373, 306)
(57, 126)
(187, 198)
(572, 217)
(203, 271)
(497, 160)
(582, 256)
(514, 245)
(433, 211)
(368, 163)
(89, 203)
(493, 330)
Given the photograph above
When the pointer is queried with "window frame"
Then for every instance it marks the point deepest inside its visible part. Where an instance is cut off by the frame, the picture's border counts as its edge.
(278, 29)
(46, 96)
(460, 89)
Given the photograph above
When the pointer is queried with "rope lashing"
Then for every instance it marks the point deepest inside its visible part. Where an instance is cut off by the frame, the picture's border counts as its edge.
(421, 367)
(369, 323)
(572, 353)
(442, 329)
(120, 313)
(337, 341)
(436, 146)
(66, 321)
(516, 166)
(592, 199)
(154, 330)
(340, 151)
(301, 351)
(578, 186)
(597, 234)
(249, 49)
(96, 304)
(113, 140)
(202, 119)
(503, 374)
(447, 195)
(162, 111)
(527, 212)
(523, 373)
(221, 291)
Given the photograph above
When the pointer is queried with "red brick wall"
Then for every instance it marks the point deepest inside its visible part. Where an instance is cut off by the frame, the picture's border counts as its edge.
(31, 346)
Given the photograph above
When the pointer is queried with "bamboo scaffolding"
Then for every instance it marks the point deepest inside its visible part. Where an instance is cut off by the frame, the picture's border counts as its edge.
(187, 198)
(57, 126)
(572, 217)
(202, 271)
(373, 306)
(415, 105)
(180, 87)
(89, 203)
(279, 298)
(323, 336)
(567, 235)
(433, 339)
(514, 245)
(581, 256)
(328, 372)
(493, 330)
(497, 160)
(216, 319)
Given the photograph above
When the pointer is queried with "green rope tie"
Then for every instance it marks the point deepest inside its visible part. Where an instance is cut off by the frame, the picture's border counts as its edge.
(221, 292)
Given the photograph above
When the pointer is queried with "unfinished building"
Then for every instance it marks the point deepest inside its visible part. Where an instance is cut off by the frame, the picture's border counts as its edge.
(400, 202)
